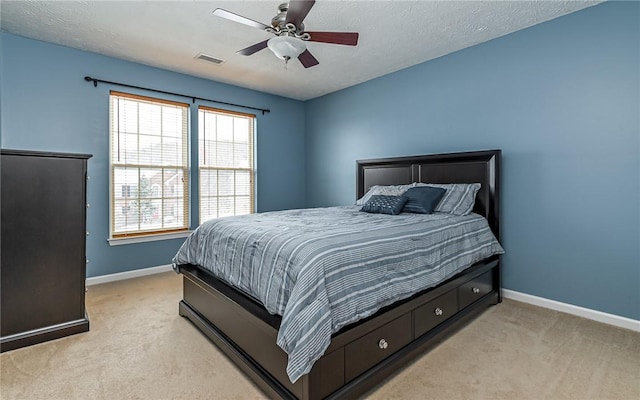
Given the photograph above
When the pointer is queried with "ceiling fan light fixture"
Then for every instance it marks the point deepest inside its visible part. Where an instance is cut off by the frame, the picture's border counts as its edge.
(286, 47)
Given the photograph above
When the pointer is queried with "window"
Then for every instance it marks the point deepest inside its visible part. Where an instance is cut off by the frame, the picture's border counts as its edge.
(225, 142)
(149, 166)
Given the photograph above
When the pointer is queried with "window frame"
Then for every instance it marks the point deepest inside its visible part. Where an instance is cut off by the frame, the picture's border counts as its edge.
(252, 161)
(156, 234)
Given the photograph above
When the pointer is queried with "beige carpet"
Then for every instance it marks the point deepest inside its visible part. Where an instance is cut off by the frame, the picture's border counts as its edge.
(139, 348)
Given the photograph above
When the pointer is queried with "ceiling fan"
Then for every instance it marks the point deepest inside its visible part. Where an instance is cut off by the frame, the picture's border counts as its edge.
(290, 36)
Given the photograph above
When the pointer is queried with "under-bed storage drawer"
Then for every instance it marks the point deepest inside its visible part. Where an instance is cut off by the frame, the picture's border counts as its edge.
(435, 312)
(365, 352)
(475, 289)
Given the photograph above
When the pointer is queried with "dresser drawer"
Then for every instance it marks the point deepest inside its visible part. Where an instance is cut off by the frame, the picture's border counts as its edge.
(475, 289)
(367, 351)
(434, 312)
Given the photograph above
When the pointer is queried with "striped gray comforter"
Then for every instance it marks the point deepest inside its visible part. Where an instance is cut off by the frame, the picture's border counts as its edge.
(324, 268)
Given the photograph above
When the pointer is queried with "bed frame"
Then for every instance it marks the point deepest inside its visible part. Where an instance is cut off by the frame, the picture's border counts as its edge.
(362, 354)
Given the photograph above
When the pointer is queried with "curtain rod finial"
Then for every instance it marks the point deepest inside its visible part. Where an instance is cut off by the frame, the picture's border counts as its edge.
(89, 79)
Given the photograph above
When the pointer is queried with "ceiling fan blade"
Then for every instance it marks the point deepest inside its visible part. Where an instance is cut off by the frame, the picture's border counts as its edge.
(307, 59)
(345, 38)
(298, 10)
(253, 49)
(238, 18)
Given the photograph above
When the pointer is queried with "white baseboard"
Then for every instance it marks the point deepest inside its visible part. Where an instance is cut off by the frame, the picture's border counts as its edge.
(588, 313)
(128, 274)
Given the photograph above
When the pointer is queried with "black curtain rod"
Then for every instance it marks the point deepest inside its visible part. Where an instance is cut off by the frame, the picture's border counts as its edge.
(193, 98)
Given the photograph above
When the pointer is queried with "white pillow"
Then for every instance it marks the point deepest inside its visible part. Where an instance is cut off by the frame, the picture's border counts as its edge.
(459, 198)
(391, 190)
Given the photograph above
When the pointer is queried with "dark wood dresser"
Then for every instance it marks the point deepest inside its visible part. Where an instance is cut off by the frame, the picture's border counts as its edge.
(42, 254)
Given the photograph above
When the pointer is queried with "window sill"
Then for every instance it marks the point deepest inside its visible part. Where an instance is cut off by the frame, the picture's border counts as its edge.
(147, 238)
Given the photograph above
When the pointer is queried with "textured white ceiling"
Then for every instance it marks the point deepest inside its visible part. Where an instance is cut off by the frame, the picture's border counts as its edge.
(169, 34)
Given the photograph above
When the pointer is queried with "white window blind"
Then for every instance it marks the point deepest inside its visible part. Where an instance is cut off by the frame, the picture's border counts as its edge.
(225, 143)
(149, 165)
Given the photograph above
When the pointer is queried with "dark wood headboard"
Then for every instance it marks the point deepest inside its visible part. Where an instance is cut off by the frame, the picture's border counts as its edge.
(470, 167)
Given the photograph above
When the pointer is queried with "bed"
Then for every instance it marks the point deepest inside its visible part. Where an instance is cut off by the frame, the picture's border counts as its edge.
(362, 353)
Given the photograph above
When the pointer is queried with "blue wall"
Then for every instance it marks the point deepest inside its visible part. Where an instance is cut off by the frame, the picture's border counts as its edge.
(46, 105)
(561, 99)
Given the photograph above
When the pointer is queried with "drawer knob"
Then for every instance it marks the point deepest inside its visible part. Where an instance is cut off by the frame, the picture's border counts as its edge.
(383, 344)
(475, 290)
(438, 311)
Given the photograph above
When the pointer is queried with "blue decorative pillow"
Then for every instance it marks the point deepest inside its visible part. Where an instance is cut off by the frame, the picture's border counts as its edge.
(423, 199)
(379, 204)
